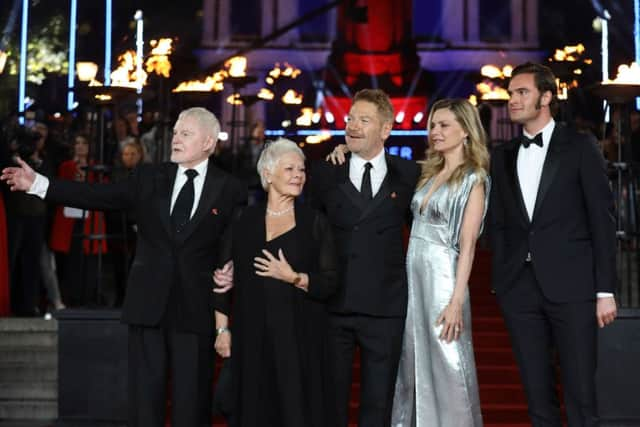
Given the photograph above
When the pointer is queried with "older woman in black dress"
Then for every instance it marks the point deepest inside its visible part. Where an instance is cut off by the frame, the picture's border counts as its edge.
(284, 269)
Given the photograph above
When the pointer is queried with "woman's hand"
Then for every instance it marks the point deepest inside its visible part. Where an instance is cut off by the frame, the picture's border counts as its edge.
(451, 321)
(223, 344)
(270, 266)
(337, 156)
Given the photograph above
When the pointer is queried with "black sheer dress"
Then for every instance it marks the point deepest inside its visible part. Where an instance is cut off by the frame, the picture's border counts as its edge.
(279, 346)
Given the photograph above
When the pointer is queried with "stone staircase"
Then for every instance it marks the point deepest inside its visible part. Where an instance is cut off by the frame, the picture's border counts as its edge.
(28, 369)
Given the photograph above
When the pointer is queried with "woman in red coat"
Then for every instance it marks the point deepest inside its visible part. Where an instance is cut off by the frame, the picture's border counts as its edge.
(76, 255)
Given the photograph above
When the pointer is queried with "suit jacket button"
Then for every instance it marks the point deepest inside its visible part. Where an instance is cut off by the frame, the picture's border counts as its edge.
(356, 228)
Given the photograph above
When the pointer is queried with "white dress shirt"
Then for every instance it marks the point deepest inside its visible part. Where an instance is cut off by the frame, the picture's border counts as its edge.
(198, 183)
(529, 166)
(378, 171)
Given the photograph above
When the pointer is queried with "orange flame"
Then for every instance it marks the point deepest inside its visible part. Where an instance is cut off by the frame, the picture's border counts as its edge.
(318, 138)
(212, 83)
(494, 72)
(627, 75)
(237, 66)
(126, 75)
(305, 118)
(159, 62)
(491, 91)
(569, 53)
(234, 99)
(265, 94)
(292, 97)
(290, 71)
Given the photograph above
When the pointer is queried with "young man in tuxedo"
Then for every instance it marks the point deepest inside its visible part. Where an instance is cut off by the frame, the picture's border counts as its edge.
(553, 243)
(183, 209)
(366, 200)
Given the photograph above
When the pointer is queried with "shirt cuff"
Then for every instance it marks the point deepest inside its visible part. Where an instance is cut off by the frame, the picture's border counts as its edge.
(40, 186)
(604, 294)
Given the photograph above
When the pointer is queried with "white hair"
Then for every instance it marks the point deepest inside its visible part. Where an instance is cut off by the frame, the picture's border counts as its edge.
(206, 119)
(271, 155)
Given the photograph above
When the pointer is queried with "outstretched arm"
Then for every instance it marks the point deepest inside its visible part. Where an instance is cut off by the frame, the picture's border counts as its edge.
(19, 178)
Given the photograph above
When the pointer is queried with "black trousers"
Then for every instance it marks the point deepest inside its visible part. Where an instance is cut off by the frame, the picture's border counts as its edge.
(538, 326)
(25, 241)
(189, 358)
(380, 341)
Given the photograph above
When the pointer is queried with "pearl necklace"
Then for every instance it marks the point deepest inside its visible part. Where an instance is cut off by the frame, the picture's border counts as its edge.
(279, 213)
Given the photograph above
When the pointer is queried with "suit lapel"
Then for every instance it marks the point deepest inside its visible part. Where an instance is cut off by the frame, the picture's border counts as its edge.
(551, 165)
(385, 188)
(213, 185)
(347, 187)
(166, 178)
(511, 166)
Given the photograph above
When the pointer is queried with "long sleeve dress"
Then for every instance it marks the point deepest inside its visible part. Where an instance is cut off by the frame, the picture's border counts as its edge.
(279, 351)
(437, 383)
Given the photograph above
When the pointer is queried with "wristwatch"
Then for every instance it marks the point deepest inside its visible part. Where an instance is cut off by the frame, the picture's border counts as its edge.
(222, 330)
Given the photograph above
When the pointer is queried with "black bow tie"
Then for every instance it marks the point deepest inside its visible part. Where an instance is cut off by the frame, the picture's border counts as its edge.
(537, 140)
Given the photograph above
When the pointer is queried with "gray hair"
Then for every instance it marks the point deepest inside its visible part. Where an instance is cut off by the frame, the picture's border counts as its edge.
(271, 155)
(206, 119)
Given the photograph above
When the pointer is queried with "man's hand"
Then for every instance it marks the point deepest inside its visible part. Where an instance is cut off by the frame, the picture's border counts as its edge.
(223, 344)
(337, 156)
(606, 311)
(223, 278)
(19, 178)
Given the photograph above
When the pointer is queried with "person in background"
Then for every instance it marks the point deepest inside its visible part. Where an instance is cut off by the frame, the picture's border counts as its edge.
(122, 224)
(26, 225)
(76, 256)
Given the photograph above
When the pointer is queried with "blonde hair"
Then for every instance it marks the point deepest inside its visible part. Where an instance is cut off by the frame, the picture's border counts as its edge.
(476, 155)
(271, 154)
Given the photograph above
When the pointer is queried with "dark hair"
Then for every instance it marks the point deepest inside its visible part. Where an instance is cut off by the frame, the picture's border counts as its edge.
(544, 80)
(378, 98)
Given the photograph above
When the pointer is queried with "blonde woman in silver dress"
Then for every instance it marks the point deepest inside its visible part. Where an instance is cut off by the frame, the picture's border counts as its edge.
(437, 383)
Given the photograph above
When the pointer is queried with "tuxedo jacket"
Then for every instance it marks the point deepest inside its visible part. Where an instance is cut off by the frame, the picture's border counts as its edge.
(165, 259)
(368, 236)
(571, 237)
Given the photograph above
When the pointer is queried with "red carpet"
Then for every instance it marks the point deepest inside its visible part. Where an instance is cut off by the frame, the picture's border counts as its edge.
(501, 393)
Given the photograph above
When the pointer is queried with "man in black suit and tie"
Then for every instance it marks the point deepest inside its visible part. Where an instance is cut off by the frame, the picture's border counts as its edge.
(183, 209)
(553, 242)
(366, 200)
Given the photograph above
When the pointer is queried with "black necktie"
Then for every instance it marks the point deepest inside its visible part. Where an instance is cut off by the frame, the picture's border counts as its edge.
(537, 140)
(184, 203)
(365, 188)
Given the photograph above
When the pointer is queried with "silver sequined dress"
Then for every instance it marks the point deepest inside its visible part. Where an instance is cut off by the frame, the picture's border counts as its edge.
(437, 383)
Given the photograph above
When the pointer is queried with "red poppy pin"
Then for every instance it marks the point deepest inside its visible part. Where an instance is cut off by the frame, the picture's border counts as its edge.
(214, 211)
(394, 195)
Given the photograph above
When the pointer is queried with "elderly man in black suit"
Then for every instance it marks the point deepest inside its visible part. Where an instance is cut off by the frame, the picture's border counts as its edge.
(183, 209)
(553, 242)
(367, 202)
